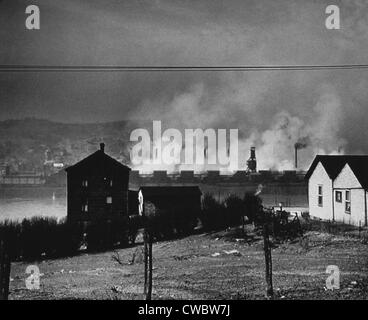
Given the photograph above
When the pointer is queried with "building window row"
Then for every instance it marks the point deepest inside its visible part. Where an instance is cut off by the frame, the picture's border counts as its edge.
(106, 180)
(108, 201)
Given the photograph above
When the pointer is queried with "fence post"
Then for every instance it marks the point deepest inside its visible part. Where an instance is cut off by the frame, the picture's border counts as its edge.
(149, 289)
(147, 260)
(268, 260)
(145, 253)
(4, 270)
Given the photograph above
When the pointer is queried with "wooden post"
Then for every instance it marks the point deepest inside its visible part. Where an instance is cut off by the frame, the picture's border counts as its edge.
(147, 264)
(4, 270)
(149, 288)
(268, 260)
(145, 253)
(147, 261)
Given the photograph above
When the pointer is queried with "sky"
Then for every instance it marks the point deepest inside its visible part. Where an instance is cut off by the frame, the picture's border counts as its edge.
(272, 109)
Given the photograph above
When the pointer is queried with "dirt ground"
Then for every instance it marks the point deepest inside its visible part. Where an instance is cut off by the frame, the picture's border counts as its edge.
(206, 266)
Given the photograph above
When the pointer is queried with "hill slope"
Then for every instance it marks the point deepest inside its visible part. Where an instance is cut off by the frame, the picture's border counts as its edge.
(29, 142)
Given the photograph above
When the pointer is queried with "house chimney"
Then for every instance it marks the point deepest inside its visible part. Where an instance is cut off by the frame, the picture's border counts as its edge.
(102, 147)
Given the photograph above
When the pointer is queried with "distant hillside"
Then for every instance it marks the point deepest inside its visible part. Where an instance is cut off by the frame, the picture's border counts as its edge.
(29, 142)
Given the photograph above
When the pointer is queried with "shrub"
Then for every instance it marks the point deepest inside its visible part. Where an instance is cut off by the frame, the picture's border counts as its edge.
(134, 224)
(120, 231)
(105, 234)
(37, 237)
(10, 232)
(68, 239)
(253, 207)
(184, 221)
(234, 210)
(213, 213)
(160, 225)
(98, 235)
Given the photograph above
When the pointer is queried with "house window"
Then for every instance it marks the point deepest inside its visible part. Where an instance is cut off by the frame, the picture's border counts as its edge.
(338, 196)
(84, 183)
(320, 196)
(109, 200)
(347, 202)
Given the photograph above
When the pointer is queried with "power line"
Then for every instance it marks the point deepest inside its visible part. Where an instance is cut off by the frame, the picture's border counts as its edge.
(102, 68)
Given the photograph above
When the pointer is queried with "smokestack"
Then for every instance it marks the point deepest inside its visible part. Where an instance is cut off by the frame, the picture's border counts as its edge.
(253, 153)
(252, 162)
(300, 144)
(102, 147)
(296, 155)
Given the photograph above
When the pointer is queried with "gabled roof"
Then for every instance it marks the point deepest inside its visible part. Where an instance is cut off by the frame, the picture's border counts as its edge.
(359, 166)
(98, 159)
(334, 164)
(170, 190)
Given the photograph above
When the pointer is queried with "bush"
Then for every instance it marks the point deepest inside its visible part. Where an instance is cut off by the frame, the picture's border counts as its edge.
(105, 234)
(234, 210)
(99, 237)
(10, 232)
(213, 213)
(134, 224)
(41, 237)
(253, 209)
(184, 220)
(161, 225)
(45, 237)
(38, 237)
(67, 240)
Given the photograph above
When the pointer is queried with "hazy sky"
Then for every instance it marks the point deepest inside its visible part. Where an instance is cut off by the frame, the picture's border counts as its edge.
(332, 104)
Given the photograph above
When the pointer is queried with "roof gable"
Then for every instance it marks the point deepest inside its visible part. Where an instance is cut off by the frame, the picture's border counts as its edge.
(334, 164)
(98, 159)
(347, 179)
(359, 166)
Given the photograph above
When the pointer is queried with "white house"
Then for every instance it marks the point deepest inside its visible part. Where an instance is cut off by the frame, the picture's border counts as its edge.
(337, 188)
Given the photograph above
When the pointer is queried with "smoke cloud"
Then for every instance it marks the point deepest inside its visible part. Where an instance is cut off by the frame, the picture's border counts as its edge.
(237, 105)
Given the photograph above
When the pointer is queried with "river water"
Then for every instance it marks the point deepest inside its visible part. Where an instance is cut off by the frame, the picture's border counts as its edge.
(19, 203)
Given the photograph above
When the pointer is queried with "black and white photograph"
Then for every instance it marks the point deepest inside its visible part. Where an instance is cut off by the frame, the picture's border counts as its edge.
(197, 151)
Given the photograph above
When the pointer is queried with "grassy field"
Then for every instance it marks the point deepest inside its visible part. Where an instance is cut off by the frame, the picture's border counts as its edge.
(205, 266)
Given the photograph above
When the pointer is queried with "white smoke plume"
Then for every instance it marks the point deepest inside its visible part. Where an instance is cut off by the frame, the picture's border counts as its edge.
(236, 105)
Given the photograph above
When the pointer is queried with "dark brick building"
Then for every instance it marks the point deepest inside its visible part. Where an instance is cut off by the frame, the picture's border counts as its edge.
(97, 187)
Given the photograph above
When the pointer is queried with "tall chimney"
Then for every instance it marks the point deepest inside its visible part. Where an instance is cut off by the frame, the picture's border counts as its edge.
(102, 147)
(252, 162)
(296, 156)
(253, 153)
